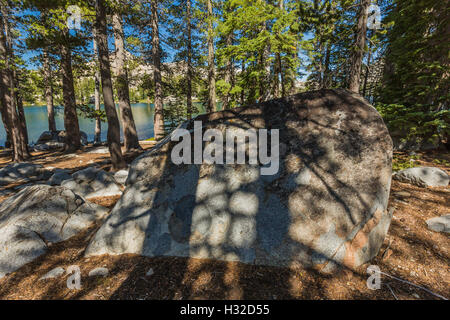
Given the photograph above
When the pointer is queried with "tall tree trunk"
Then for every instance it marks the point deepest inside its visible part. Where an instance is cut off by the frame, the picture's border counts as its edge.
(159, 115)
(242, 91)
(98, 122)
(279, 62)
(49, 92)
(130, 137)
(264, 69)
(4, 114)
(228, 74)
(366, 75)
(7, 97)
(357, 56)
(70, 109)
(189, 60)
(211, 66)
(15, 85)
(22, 120)
(326, 72)
(108, 99)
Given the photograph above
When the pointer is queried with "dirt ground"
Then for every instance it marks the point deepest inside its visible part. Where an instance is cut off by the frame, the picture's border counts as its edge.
(410, 252)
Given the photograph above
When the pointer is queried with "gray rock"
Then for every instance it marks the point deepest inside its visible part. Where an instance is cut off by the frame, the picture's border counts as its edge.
(402, 194)
(149, 272)
(326, 205)
(102, 272)
(54, 273)
(58, 136)
(99, 150)
(59, 176)
(423, 177)
(23, 171)
(92, 182)
(39, 215)
(439, 224)
(50, 145)
(121, 176)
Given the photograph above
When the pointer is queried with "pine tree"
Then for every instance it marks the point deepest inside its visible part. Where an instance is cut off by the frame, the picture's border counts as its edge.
(105, 72)
(159, 115)
(130, 136)
(359, 47)
(14, 125)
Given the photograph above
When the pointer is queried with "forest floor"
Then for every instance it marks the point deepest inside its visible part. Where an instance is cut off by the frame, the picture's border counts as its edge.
(410, 252)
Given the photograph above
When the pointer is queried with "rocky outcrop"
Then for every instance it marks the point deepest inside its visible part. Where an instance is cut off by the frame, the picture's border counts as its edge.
(55, 139)
(23, 172)
(423, 177)
(92, 182)
(121, 176)
(38, 216)
(439, 224)
(325, 206)
(59, 176)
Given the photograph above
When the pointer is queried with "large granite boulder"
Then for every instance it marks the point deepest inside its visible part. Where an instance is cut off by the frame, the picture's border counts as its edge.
(23, 172)
(92, 182)
(423, 177)
(38, 216)
(325, 206)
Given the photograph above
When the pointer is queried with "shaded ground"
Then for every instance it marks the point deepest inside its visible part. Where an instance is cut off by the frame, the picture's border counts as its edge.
(74, 161)
(410, 252)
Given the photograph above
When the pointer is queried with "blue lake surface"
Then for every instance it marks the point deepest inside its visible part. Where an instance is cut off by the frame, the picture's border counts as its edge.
(37, 122)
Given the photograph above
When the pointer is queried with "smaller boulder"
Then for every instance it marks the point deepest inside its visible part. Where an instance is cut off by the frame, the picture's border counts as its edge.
(102, 272)
(439, 224)
(121, 176)
(93, 182)
(36, 217)
(54, 273)
(423, 177)
(52, 139)
(59, 176)
(23, 171)
(50, 145)
(99, 150)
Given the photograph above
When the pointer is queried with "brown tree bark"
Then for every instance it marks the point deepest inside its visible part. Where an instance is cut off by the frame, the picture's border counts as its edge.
(360, 41)
(98, 122)
(159, 115)
(228, 75)
(242, 91)
(49, 92)
(211, 66)
(15, 87)
(14, 83)
(189, 61)
(279, 67)
(22, 120)
(130, 137)
(108, 99)
(326, 72)
(8, 98)
(71, 124)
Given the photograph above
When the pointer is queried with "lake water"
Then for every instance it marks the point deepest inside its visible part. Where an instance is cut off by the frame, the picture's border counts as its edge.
(37, 122)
